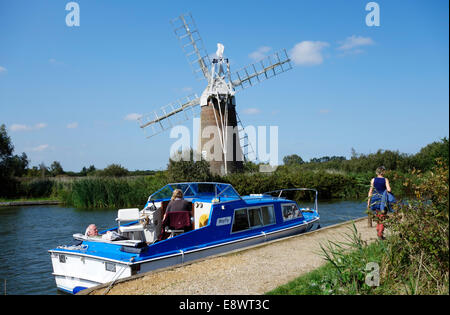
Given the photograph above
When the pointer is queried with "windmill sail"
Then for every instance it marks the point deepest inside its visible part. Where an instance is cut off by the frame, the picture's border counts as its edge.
(170, 115)
(192, 45)
(217, 104)
(262, 70)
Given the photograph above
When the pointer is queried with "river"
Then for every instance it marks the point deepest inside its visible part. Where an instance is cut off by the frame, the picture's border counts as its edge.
(27, 234)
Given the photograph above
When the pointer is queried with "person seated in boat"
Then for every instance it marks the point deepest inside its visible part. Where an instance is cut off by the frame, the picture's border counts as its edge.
(91, 230)
(178, 204)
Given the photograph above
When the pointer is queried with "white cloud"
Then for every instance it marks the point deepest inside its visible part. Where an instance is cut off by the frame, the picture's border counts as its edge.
(308, 53)
(2, 69)
(72, 125)
(19, 127)
(355, 41)
(251, 111)
(40, 126)
(55, 62)
(39, 148)
(133, 116)
(324, 111)
(260, 53)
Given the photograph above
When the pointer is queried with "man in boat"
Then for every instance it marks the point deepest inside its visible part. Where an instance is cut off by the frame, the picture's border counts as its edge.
(91, 230)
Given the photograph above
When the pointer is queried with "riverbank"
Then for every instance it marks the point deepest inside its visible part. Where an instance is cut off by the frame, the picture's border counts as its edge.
(29, 203)
(255, 270)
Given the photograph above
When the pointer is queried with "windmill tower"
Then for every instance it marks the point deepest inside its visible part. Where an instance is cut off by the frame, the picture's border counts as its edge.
(222, 141)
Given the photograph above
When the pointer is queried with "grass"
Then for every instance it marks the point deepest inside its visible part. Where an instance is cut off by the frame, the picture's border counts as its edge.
(344, 272)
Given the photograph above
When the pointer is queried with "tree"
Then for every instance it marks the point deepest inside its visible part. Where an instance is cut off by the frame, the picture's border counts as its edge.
(426, 158)
(10, 165)
(114, 170)
(293, 159)
(87, 171)
(180, 170)
(56, 168)
(91, 169)
(6, 147)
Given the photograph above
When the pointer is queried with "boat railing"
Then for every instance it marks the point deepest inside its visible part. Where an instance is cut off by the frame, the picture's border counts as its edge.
(280, 192)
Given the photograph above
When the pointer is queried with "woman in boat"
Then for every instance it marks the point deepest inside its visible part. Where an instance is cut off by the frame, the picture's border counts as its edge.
(178, 204)
(374, 202)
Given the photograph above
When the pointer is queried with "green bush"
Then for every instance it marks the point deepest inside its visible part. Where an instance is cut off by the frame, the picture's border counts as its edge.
(414, 258)
(418, 257)
(329, 185)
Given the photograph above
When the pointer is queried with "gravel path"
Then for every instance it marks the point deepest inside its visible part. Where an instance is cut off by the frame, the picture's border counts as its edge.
(256, 270)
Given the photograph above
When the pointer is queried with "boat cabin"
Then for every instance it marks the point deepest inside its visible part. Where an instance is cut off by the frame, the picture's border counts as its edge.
(236, 213)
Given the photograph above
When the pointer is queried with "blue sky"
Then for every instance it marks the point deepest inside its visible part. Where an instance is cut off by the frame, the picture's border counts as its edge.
(65, 92)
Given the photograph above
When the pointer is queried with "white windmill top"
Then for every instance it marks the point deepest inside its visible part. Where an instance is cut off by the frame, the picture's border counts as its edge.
(220, 49)
(217, 84)
(217, 73)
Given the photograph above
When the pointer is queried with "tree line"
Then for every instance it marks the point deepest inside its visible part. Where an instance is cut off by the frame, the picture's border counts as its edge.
(336, 176)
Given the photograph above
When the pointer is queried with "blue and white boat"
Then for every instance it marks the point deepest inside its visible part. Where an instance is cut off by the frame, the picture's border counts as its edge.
(222, 221)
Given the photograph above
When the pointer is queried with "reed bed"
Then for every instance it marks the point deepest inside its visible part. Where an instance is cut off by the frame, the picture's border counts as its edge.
(109, 192)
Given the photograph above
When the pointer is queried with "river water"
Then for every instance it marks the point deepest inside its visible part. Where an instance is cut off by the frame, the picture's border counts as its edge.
(27, 233)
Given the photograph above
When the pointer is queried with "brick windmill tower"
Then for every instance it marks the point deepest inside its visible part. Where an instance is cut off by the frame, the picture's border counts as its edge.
(222, 141)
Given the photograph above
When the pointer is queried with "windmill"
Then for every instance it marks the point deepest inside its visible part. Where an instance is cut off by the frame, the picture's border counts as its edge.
(219, 142)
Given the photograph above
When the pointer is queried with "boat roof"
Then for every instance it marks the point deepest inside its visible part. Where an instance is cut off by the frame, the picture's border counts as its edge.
(217, 192)
(197, 190)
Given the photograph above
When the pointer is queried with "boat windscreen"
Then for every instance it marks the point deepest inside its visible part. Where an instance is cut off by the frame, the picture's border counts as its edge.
(197, 190)
(226, 191)
(163, 193)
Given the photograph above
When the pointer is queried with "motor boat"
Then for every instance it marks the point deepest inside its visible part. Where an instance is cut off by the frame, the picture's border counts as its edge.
(220, 221)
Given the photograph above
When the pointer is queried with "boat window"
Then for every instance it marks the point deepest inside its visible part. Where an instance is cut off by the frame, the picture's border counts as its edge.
(206, 188)
(291, 211)
(255, 217)
(164, 193)
(240, 220)
(252, 218)
(110, 267)
(226, 191)
(185, 188)
(268, 215)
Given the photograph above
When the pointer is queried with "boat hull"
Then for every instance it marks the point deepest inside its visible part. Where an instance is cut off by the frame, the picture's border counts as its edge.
(77, 271)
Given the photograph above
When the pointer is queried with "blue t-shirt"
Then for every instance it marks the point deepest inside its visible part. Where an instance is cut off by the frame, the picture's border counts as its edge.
(380, 184)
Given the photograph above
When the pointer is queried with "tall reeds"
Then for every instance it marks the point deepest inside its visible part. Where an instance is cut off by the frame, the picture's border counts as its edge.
(110, 192)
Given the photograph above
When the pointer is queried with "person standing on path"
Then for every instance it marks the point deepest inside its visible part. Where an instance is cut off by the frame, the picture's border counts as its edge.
(380, 184)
